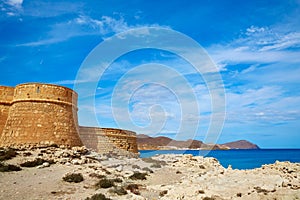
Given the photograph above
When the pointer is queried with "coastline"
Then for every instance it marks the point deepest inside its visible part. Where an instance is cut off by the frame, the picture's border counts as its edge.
(167, 177)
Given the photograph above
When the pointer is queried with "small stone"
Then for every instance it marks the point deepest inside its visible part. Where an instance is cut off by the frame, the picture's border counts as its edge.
(75, 162)
(119, 168)
(46, 164)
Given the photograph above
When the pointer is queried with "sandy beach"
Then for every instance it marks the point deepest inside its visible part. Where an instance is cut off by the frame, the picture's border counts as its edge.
(160, 177)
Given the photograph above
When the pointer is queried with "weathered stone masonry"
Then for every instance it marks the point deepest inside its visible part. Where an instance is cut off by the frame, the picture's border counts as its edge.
(6, 97)
(36, 113)
(106, 140)
(42, 114)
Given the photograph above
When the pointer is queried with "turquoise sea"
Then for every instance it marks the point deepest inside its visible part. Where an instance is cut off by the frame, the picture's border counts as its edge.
(237, 158)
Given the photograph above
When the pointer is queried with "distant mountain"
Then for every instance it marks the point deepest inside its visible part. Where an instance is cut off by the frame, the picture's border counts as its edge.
(241, 144)
(146, 142)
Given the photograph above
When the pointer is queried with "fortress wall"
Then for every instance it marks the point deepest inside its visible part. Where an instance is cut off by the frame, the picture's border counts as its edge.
(105, 140)
(42, 114)
(6, 97)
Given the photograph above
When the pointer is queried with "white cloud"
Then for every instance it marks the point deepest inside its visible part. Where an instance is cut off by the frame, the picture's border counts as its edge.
(249, 69)
(103, 26)
(259, 45)
(12, 7)
(265, 105)
(254, 29)
(15, 3)
(286, 41)
(80, 26)
(84, 25)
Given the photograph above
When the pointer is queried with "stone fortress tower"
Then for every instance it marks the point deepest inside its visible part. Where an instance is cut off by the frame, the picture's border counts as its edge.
(42, 114)
(6, 97)
(45, 114)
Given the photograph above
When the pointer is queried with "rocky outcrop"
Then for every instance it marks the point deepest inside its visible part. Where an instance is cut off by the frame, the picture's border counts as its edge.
(153, 143)
(241, 144)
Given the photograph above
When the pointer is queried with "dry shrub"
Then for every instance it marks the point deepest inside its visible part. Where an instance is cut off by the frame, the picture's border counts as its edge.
(76, 178)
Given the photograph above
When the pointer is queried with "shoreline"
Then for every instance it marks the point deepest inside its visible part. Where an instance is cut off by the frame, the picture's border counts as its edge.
(165, 176)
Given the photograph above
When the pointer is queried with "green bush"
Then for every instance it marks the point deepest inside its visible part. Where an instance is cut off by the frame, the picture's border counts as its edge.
(76, 178)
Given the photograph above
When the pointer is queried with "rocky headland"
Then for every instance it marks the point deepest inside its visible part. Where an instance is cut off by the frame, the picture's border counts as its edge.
(79, 173)
(146, 142)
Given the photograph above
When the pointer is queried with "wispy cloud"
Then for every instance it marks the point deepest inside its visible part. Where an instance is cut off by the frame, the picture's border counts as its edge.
(81, 26)
(11, 7)
(84, 25)
(259, 45)
(265, 105)
(261, 65)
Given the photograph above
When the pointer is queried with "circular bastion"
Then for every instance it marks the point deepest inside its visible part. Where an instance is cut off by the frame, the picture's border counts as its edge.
(42, 114)
(6, 97)
(106, 140)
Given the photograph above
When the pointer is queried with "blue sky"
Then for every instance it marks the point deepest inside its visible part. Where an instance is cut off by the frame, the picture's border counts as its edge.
(255, 46)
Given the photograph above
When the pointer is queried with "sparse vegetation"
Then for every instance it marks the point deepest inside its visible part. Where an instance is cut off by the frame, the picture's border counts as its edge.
(261, 190)
(138, 176)
(201, 191)
(134, 188)
(35, 162)
(76, 178)
(147, 169)
(94, 175)
(98, 197)
(9, 168)
(163, 193)
(136, 167)
(201, 166)
(26, 154)
(105, 183)
(209, 198)
(117, 180)
(106, 171)
(6, 154)
(151, 160)
(156, 165)
(118, 190)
